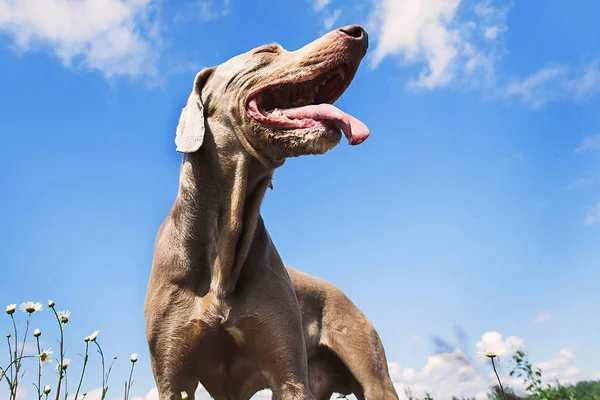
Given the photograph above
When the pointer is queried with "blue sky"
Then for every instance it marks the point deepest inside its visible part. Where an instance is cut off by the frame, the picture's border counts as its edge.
(475, 202)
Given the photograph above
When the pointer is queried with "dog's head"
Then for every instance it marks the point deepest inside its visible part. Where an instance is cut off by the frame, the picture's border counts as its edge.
(278, 103)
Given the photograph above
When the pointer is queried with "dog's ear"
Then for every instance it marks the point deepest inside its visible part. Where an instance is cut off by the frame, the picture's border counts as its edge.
(190, 130)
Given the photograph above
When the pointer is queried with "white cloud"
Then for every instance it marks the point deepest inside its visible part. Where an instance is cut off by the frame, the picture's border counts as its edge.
(319, 5)
(557, 83)
(459, 43)
(453, 374)
(493, 340)
(419, 30)
(492, 20)
(112, 36)
(454, 40)
(332, 18)
(96, 394)
(560, 368)
(580, 183)
(543, 316)
(491, 32)
(593, 215)
(442, 375)
(537, 89)
(205, 10)
(588, 84)
(589, 143)
(23, 393)
(564, 358)
(329, 17)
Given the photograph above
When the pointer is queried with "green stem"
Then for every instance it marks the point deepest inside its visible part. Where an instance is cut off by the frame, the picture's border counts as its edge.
(39, 389)
(129, 383)
(85, 360)
(498, 377)
(18, 365)
(61, 352)
(66, 385)
(108, 373)
(102, 359)
(9, 380)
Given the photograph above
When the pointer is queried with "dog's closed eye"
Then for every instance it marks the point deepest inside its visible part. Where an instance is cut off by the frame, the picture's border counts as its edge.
(274, 49)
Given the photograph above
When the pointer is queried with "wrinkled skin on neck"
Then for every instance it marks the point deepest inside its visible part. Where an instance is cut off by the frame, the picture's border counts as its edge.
(218, 207)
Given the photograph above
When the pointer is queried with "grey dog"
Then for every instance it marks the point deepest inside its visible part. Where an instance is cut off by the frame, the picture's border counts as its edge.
(221, 307)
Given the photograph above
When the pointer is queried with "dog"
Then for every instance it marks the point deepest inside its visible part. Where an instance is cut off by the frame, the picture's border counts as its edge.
(221, 308)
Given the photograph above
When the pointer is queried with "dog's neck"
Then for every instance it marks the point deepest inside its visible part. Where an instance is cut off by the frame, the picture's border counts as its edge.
(220, 192)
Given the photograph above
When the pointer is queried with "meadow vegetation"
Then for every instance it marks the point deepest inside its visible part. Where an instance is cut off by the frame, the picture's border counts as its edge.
(56, 385)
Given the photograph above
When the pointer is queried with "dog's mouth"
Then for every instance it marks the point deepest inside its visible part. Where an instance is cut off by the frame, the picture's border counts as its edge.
(307, 104)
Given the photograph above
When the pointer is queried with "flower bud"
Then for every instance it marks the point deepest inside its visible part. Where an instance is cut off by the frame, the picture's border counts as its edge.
(10, 309)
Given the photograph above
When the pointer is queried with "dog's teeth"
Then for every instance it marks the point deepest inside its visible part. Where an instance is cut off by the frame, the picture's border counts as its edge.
(277, 113)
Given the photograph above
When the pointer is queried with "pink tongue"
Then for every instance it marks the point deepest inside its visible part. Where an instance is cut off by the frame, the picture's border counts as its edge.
(356, 132)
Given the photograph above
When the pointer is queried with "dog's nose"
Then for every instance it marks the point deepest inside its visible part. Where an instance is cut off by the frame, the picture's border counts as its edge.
(355, 31)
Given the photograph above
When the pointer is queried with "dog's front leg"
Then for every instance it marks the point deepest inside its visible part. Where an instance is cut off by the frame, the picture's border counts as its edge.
(172, 340)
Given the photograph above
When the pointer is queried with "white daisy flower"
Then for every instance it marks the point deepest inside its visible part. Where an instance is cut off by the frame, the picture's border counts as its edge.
(10, 309)
(63, 316)
(30, 307)
(94, 335)
(133, 357)
(45, 356)
(65, 364)
(37, 333)
(491, 353)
